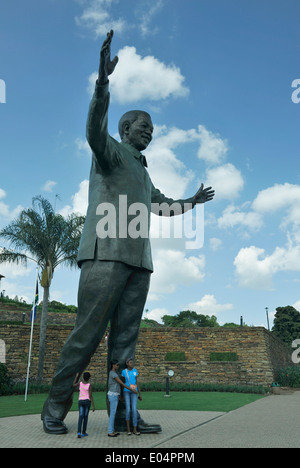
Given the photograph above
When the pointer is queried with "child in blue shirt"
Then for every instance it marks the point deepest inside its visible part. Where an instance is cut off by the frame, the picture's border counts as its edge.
(130, 374)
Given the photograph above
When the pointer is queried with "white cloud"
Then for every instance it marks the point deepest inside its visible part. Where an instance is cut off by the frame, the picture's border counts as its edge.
(213, 149)
(49, 185)
(10, 270)
(215, 243)
(167, 172)
(91, 82)
(97, 18)
(226, 180)
(233, 216)
(208, 306)
(100, 16)
(170, 174)
(276, 197)
(255, 269)
(13, 289)
(280, 197)
(156, 314)
(173, 137)
(297, 305)
(79, 201)
(15, 279)
(83, 147)
(146, 17)
(138, 78)
(172, 269)
(5, 210)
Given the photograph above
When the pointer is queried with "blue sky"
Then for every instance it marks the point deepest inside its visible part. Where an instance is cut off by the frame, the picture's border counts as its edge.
(216, 77)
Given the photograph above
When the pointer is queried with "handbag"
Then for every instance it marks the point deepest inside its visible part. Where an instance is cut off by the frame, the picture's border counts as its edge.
(133, 387)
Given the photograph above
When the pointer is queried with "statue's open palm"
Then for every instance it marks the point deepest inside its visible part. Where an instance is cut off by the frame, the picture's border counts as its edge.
(107, 65)
(204, 194)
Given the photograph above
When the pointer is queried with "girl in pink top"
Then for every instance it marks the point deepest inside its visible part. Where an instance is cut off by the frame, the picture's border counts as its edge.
(84, 403)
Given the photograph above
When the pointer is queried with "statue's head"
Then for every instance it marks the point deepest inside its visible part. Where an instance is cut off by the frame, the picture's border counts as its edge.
(136, 128)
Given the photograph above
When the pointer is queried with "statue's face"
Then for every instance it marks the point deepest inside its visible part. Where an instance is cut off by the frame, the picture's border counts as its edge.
(139, 133)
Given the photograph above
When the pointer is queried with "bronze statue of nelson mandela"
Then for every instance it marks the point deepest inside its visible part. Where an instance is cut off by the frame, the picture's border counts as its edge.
(115, 271)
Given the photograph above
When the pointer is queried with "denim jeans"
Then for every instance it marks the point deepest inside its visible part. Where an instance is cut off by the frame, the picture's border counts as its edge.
(84, 408)
(113, 404)
(131, 403)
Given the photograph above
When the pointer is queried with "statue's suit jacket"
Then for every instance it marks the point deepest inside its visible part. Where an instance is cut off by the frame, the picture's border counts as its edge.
(117, 169)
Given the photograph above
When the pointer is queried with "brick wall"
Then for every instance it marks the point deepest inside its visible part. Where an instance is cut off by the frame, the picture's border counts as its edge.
(259, 353)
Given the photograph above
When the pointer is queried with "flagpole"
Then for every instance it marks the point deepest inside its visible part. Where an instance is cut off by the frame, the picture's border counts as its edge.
(31, 333)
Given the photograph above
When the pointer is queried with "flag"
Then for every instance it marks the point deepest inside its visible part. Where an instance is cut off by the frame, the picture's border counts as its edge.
(36, 300)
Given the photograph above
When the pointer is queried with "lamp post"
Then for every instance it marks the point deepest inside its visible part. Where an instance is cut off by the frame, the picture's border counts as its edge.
(170, 374)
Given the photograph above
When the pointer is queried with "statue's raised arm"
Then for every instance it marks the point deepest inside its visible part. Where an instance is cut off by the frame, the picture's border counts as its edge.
(107, 65)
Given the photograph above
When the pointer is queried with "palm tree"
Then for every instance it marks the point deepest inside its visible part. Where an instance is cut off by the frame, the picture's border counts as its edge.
(47, 238)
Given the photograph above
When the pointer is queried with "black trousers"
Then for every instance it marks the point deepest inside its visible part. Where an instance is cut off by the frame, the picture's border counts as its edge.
(108, 292)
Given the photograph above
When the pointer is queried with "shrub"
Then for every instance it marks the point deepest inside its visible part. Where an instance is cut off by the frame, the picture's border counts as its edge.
(289, 376)
(18, 388)
(223, 357)
(175, 356)
(5, 381)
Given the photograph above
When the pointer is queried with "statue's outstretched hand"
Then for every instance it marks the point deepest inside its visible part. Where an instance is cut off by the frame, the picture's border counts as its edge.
(107, 65)
(204, 195)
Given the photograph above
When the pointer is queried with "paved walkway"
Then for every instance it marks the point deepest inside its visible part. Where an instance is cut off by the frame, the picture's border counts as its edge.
(271, 422)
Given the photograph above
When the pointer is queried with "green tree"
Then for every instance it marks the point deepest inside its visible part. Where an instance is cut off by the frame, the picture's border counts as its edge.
(189, 318)
(287, 324)
(47, 238)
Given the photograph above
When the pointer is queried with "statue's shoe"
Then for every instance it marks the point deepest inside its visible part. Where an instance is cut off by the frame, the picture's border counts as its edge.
(54, 426)
(145, 428)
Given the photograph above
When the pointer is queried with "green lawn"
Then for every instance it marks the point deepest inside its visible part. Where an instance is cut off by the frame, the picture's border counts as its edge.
(185, 401)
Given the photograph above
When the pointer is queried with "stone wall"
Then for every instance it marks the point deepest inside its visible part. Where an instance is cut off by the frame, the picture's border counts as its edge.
(10, 313)
(259, 354)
